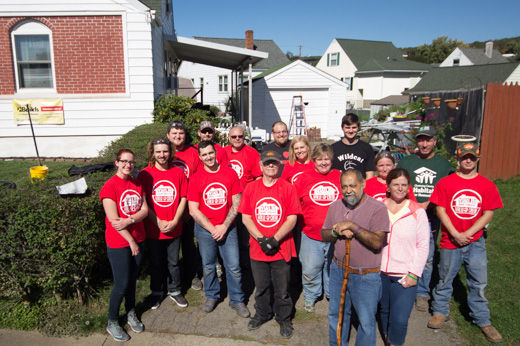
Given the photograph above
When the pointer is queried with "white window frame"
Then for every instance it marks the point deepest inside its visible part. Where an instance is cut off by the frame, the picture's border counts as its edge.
(456, 62)
(349, 81)
(334, 59)
(28, 28)
(223, 81)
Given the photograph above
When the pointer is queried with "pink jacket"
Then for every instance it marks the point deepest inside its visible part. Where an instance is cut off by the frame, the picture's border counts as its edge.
(407, 243)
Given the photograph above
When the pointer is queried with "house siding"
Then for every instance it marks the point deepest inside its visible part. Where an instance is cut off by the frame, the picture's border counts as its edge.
(456, 54)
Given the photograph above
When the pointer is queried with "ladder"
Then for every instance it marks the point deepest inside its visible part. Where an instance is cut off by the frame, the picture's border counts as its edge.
(297, 122)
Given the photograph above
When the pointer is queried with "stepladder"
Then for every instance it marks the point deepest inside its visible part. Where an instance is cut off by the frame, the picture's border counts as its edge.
(297, 121)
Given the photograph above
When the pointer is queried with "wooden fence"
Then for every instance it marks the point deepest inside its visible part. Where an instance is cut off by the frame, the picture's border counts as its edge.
(500, 140)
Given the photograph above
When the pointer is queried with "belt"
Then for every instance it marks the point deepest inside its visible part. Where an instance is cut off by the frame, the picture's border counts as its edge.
(360, 271)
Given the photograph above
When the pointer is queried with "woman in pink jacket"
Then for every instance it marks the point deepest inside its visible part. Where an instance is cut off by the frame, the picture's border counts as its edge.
(403, 258)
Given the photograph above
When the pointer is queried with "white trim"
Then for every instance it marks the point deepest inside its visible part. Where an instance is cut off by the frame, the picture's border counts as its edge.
(43, 13)
(124, 25)
(222, 47)
(308, 66)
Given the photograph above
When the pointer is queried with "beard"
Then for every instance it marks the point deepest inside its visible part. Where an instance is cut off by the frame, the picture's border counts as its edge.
(353, 199)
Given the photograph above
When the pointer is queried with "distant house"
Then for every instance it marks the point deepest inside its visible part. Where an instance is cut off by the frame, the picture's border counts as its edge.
(218, 83)
(371, 69)
(323, 95)
(465, 56)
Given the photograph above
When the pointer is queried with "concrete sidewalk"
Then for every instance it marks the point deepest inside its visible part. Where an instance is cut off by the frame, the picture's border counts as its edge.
(171, 325)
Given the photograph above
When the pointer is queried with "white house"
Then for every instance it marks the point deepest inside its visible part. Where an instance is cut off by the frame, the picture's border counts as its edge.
(324, 96)
(465, 56)
(371, 69)
(218, 83)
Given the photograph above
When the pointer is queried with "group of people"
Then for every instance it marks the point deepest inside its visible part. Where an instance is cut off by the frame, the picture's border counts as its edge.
(365, 242)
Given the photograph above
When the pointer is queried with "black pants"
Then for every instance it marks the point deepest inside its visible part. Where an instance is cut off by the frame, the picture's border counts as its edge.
(125, 269)
(272, 279)
(165, 272)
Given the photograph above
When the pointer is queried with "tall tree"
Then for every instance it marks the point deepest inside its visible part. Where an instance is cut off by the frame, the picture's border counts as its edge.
(439, 50)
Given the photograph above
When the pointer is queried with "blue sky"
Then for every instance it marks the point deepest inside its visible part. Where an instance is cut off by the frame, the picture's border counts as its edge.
(313, 24)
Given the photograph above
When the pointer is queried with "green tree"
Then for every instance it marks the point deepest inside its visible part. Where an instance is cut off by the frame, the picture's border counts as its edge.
(438, 50)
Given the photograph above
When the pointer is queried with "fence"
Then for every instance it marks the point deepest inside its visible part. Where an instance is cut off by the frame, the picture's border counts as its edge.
(500, 141)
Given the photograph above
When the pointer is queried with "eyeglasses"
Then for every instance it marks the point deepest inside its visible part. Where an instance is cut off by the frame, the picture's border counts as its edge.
(124, 162)
(237, 136)
(206, 131)
(280, 132)
(160, 141)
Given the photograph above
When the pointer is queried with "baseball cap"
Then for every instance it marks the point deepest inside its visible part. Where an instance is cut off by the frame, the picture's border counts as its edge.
(270, 155)
(464, 149)
(427, 131)
(206, 124)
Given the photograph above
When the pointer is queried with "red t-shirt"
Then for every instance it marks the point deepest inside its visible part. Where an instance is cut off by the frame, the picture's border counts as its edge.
(188, 160)
(317, 192)
(164, 190)
(213, 192)
(269, 208)
(246, 162)
(128, 195)
(292, 172)
(221, 155)
(465, 201)
(375, 188)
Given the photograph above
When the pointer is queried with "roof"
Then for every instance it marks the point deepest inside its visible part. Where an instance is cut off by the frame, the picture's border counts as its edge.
(377, 56)
(479, 57)
(463, 77)
(271, 70)
(154, 5)
(392, 100)
(276, 56)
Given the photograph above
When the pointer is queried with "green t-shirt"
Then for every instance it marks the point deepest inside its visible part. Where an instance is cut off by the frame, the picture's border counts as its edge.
(425, 173)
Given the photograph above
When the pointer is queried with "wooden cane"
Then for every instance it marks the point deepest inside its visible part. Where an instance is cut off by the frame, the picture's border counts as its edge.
(343, 291)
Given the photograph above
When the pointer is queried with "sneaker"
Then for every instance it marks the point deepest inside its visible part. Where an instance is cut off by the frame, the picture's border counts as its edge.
(436, 321)
(134, 323)
(286, 329)
(421, 303)
(179, 300)
(255, 323)
(209, 305)
(196, 284)
(118, 333)
(309, 306)
(241, 309)
(491, 334)
(154, 301)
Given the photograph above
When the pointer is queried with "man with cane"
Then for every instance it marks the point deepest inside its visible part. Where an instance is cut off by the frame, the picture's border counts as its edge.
(357, 224)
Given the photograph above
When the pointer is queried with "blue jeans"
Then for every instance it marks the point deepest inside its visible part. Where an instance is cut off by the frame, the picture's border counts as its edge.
(165, 272)
(125, 268)
(315, 260)
(363, 294)
(475, 263)
(396, 306)
(423, 286)
(228, 249)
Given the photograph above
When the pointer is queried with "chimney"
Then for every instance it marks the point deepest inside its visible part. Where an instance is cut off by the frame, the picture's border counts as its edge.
(249, 39)
(489, 49)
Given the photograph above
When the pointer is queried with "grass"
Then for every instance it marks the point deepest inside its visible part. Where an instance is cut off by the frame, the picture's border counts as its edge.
(503, 291)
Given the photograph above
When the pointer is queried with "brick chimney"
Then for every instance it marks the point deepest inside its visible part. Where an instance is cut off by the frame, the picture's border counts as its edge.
(249, 39)
(489, 49)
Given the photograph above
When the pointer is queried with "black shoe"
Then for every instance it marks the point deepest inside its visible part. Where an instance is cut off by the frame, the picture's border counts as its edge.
(286, 329)
(179, 300)
(209, 305)
(255, 323)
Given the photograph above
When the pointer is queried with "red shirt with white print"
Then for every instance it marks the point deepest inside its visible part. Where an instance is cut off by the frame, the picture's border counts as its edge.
(187, 159)
(375, 188)
(316, 192)
(269, 208)
(465, 201)
(291, 173)
(164, 190)
(221, 155)
(213, 191)
(245, 162)
(128, 196)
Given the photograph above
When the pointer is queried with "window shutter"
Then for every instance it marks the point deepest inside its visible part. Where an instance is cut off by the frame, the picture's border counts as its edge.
(337, 59)
(328, 59)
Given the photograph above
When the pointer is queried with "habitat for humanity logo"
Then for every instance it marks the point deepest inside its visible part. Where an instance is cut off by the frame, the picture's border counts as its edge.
(425, 175)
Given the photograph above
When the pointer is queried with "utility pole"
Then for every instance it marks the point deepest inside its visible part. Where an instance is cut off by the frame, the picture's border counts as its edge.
(300, 51)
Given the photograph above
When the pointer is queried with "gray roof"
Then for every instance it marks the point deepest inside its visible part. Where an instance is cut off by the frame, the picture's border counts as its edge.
(377, 56)
(478, 57)
(392, 100)
(276, 56)
(463, 77)
(154, 5)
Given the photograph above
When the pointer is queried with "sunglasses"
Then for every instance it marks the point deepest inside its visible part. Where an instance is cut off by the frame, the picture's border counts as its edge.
(206, 131)
(124, 162)
(160, 141)
(237, 136)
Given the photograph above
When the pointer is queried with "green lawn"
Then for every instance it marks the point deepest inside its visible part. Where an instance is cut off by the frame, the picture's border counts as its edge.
(503, 291)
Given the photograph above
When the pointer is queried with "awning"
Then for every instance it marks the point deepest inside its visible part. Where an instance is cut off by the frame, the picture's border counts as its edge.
(213, 54)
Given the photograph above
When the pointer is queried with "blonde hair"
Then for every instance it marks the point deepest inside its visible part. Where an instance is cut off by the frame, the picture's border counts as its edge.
(322, 149)
(294, 141)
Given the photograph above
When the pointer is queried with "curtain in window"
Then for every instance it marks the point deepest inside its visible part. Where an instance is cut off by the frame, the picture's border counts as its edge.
(34, 61)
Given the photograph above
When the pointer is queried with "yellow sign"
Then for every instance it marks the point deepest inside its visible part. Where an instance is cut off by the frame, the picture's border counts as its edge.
(43, 111)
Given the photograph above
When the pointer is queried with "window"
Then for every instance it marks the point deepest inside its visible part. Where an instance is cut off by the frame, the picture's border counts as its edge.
(32, 53)
(349, 81)
(333, 59)
(456, 62)
(222, 83)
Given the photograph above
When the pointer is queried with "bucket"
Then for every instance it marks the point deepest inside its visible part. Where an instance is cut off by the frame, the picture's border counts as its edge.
(38, 173)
